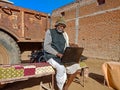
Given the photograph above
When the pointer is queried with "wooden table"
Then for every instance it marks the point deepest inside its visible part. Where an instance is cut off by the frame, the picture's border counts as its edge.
(22, 78)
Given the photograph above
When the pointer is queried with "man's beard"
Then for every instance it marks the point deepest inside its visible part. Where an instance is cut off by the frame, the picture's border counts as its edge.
(60, 31)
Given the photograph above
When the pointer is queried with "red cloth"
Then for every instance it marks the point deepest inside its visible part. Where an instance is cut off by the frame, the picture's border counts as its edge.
(18, 66)
(29, 70)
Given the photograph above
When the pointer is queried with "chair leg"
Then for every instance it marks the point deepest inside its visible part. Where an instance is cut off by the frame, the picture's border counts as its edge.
(81, 73)
(71, 77)
(83, 76)
(69, 81)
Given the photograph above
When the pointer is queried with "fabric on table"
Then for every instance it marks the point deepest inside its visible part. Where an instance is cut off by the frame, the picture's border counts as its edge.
(29, 70)
(18, 71)
(43, 67)
(6, 72)
(44, 70)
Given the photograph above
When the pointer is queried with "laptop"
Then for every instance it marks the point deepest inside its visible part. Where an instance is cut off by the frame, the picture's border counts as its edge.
(72, 55)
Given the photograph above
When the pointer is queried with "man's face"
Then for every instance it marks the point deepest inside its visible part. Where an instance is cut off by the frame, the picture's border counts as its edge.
(60, 27)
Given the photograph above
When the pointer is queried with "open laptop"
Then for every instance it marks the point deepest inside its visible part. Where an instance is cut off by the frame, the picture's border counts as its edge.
(72, 55)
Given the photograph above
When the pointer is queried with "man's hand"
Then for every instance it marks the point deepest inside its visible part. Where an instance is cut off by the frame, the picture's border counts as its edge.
(59, 55)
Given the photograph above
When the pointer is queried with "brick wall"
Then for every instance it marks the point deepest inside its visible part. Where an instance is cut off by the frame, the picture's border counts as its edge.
(98, 30)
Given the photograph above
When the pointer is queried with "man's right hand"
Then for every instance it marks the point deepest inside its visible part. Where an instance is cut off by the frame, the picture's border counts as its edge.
(59, 55)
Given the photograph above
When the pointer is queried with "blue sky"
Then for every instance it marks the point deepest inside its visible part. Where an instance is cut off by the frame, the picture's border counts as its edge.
(46, 6)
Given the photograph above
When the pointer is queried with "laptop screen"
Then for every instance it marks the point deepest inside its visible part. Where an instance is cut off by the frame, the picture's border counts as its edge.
(72, 55)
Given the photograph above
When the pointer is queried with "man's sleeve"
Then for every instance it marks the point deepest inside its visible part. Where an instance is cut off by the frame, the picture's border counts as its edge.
(67, 39)
(47, 43)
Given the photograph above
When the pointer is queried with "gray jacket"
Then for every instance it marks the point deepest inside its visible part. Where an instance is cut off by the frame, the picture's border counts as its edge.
(48, 41)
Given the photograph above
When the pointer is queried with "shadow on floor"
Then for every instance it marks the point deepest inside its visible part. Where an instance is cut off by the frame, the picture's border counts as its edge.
(97, 77)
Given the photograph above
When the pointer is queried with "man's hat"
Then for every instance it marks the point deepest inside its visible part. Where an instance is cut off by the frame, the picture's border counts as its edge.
(60, 21)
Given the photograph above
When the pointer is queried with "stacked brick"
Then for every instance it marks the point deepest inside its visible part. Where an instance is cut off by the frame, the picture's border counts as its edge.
(99, 27)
